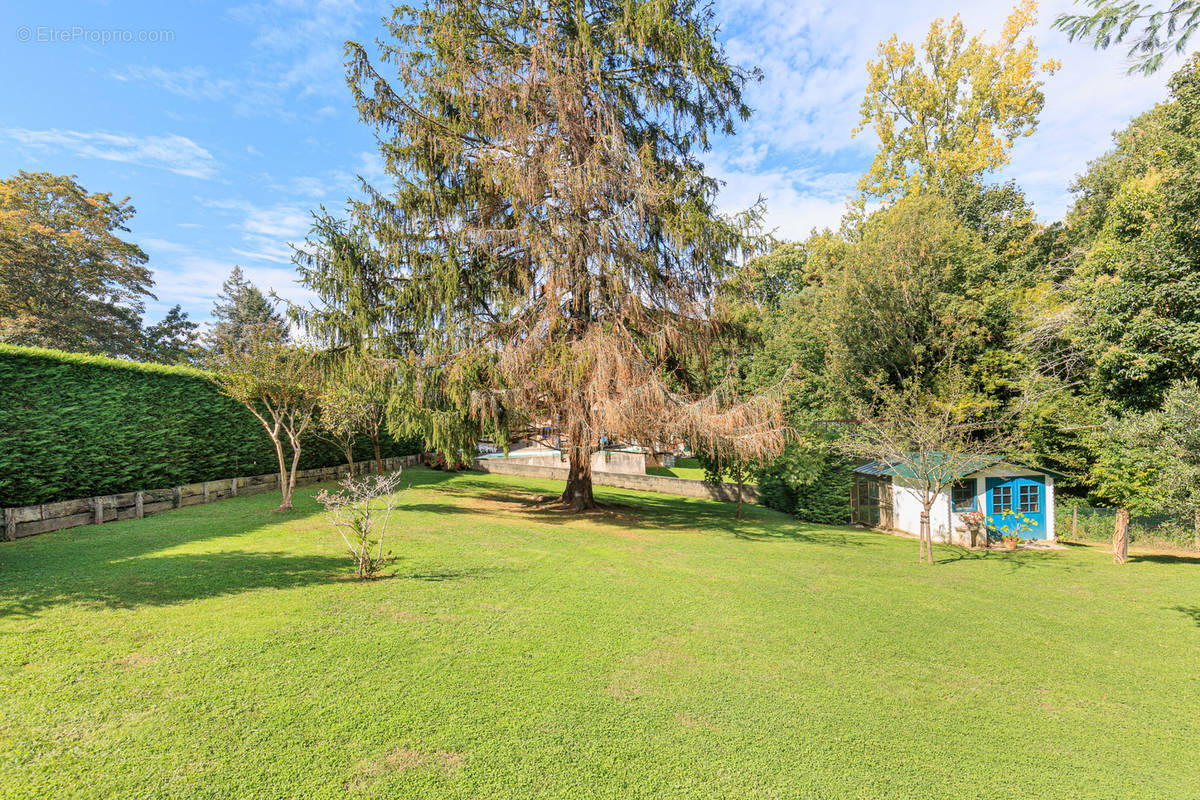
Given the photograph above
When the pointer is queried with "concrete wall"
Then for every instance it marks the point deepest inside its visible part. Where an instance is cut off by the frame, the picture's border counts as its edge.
(726, 492)
(607, 461)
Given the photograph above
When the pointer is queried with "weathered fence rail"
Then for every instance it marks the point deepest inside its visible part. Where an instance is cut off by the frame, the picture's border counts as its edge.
(31, 520)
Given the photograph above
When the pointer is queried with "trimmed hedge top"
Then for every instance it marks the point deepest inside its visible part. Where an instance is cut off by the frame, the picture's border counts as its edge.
(75, 425)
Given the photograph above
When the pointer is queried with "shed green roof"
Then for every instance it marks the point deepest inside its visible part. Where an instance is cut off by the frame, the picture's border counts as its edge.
(944, 467)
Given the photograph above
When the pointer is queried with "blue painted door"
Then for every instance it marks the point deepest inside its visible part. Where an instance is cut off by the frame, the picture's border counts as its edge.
(1010, 498)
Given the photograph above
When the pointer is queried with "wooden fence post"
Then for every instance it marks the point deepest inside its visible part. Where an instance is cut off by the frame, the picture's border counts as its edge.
(139, 504)
(233, 487)
(10, 524)
(97, 510)
(1074, 523)
(177, 497)
(205, 491)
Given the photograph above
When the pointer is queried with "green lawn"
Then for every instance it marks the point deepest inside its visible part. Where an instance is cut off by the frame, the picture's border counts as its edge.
(684, 468)
(661, 650)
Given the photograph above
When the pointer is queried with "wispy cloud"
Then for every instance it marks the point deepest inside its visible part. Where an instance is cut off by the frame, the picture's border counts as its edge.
(177, 154)
(194, 83)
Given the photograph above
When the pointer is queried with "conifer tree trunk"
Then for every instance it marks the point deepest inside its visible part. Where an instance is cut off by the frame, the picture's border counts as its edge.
(578, 494)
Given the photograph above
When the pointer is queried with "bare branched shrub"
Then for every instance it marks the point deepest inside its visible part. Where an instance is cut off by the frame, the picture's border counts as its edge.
(360, 514)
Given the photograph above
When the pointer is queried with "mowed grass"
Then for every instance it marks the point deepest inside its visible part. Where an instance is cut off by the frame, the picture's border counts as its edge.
(684, 468)
(658, 650)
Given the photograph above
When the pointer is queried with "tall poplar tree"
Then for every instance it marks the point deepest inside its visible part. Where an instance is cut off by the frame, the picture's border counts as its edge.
(557, 231)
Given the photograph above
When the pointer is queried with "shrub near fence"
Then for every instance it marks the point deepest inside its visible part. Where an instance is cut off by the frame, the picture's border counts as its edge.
(75, 426)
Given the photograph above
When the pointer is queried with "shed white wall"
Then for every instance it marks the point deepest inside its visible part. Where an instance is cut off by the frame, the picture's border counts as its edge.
(943, 523)
(906, 510)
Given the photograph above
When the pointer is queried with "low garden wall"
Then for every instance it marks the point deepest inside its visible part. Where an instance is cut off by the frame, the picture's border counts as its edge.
(726, 492)
(45, 517)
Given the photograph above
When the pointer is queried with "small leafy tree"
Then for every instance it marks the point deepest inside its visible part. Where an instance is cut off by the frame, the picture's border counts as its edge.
(361, 519)
(280, 385)
(927, 437)
(173, 340)
(726, 464)
(354, 400)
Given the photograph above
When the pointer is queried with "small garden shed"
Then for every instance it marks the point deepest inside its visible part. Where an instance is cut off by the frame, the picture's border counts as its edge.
(1013, 498)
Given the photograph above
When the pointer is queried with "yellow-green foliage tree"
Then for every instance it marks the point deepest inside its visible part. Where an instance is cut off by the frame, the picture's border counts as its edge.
(953, 111)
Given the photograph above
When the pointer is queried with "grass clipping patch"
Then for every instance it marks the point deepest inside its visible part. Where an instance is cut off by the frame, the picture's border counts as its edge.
(406, 759)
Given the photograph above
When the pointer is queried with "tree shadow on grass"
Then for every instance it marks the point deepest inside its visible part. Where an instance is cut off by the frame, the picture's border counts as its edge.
(1190, 611)
(440, 575)
(165, 580)
(1166, 558)
(663, 514)
(1012, 559)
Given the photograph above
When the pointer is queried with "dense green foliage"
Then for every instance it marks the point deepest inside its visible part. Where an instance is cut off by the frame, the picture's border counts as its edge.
(1071, 335)
(79, 426)
(811, 484)
(668, 651)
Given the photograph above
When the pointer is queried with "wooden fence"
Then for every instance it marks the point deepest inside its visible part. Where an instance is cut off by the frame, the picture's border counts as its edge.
(32, 520)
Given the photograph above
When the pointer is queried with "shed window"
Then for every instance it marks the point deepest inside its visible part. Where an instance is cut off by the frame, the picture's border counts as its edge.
(962, 495)
(1002, 499)
(1027, 499)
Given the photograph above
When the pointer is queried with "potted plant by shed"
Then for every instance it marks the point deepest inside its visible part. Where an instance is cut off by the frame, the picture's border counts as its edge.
(1017, 527)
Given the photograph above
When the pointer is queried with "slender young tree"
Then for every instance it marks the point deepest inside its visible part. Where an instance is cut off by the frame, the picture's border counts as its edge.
(280, 385)
(354, 400)
(926, 439)
(557, 230)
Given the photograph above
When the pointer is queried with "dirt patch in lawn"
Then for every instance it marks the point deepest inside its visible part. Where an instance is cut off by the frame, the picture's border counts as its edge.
(693, 721)
(406, 759)
(135, 660)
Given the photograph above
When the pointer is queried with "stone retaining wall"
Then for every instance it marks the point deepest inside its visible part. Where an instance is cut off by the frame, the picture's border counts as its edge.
(683, 487)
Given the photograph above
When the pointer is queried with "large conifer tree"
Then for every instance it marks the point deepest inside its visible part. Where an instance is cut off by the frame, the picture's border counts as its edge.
(557, 231)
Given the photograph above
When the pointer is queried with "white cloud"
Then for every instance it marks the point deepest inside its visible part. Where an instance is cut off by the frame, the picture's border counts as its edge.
(177, 154)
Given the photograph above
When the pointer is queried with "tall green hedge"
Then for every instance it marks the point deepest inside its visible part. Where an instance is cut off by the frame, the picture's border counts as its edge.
(74, 425)
(810, 484)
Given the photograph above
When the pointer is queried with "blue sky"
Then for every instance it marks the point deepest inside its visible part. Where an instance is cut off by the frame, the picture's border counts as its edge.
(226, 123)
